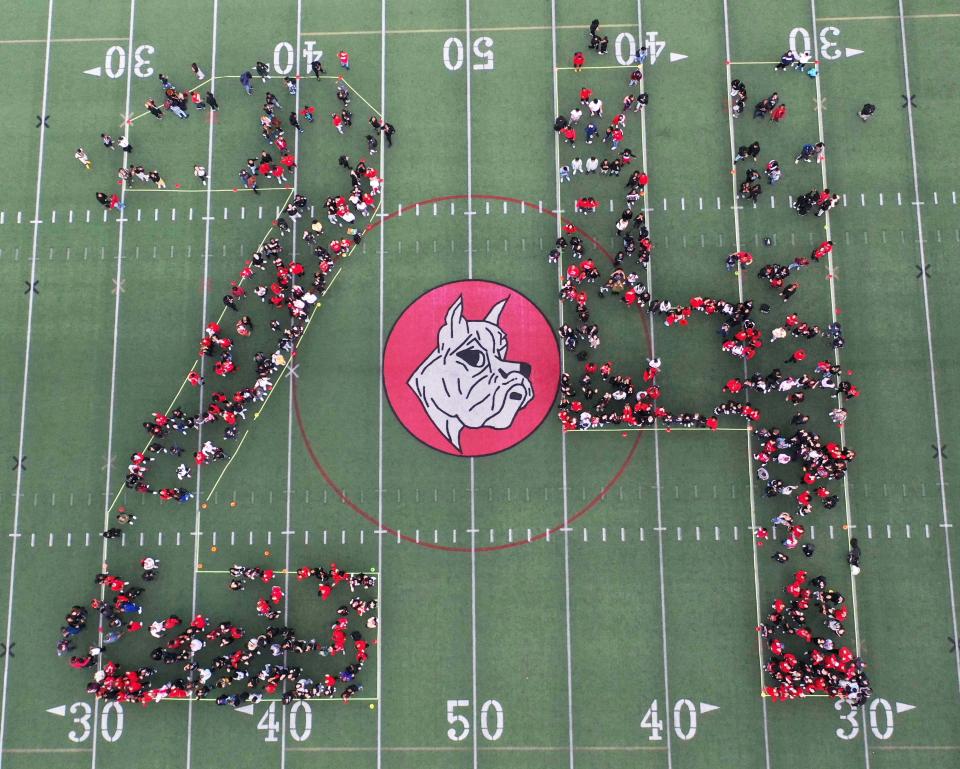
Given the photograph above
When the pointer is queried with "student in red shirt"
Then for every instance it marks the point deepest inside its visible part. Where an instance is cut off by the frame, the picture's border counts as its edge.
(578, 61)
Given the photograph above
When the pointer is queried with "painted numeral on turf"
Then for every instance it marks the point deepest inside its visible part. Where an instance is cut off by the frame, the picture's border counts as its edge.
(283, 58)
(301, 726)
(491, 720)
(685, 706)
(491, 734)
(111, 721)
(685, 719)
(81, 712)
(300, 723)
(453, 53)
(799, 40)
(115, 61)
(653, 44)
(483, 50)
(651, 720)
(880, 718)
(886, 719)
(268, 723)
(112, 711)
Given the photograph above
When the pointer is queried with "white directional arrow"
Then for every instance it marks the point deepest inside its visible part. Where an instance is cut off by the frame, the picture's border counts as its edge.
(852, 52)
(681, 56)
(61, 710)
(706, 707)
(903, 707)
(248, 709)
(95, 71)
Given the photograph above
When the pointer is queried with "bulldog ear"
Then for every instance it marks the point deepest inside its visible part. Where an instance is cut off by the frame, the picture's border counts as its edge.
(454, 329)
(494, 315)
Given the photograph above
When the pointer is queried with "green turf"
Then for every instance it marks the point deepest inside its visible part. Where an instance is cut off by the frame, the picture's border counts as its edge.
(652, 595)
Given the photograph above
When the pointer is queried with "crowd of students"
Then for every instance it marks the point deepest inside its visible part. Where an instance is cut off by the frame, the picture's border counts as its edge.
(225, 660)
(271, 299)
(798, 465)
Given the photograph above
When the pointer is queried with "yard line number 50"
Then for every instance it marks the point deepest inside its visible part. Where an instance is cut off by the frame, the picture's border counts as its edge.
(491, 720)
(453, 53)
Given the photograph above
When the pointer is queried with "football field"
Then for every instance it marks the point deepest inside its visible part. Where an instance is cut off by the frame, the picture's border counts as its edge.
(546, 598)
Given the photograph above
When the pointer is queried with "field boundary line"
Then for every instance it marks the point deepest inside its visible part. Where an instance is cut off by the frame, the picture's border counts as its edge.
(26, 374)
(926, 314)
(749, 443)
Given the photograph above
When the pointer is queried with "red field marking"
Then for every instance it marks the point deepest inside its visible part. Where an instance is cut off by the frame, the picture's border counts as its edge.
(373, 519)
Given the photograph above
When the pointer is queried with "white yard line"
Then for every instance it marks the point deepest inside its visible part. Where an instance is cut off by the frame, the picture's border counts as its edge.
(203, 322)
(563, 433)
(284, 715)
(836, 358)
(749, 443)
(926, 313)
(473, 461)
(15, 534)
(656, 435)
(118, 280)
(383, 194)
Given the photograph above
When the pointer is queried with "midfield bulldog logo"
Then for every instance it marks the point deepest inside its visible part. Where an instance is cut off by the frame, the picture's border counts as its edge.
(471, 368)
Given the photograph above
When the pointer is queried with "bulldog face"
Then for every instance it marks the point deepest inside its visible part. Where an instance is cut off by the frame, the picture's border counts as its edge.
(467, 380)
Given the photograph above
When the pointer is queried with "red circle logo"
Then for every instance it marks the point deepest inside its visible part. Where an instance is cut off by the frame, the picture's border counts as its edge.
(471, 368)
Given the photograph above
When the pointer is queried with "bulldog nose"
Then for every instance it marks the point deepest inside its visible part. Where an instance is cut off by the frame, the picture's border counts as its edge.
(525, 370)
